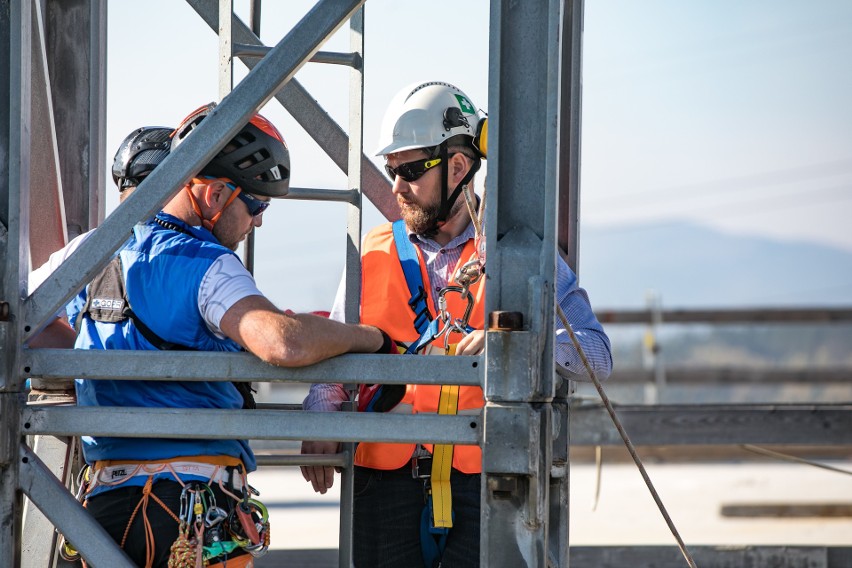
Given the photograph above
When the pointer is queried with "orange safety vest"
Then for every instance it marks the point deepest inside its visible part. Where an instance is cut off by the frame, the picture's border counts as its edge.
(384, 303)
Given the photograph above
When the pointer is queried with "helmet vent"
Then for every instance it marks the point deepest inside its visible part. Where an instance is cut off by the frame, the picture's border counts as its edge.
(254, 159)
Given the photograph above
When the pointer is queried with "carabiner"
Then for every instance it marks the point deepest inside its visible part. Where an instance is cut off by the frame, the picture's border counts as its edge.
(469, 273)
(184, 504)
(466, 295)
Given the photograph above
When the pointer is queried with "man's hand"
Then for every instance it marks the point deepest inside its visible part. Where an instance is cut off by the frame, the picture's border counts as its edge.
(472, 343)
(320, 477)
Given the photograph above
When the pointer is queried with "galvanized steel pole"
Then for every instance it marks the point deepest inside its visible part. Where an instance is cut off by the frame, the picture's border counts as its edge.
(521, 228)
(15, 34)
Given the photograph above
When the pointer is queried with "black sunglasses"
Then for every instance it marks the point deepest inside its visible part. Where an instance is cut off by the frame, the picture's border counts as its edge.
(411, 171)
(255, 206)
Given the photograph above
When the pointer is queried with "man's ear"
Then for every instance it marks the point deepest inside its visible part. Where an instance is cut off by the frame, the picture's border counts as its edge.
(213, 194)
(459, 166)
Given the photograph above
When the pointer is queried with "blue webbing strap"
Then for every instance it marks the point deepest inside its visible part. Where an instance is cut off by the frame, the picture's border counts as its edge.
(423, 322)
(411, 269)
(426, 337)
(433, 540)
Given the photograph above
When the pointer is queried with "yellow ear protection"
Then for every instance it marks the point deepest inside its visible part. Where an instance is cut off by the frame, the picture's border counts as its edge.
(480, 139)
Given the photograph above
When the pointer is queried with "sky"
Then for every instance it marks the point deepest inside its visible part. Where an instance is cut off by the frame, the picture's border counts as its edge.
(734, 116)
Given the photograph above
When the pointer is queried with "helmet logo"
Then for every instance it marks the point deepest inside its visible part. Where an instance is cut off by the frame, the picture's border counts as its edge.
(466, 105)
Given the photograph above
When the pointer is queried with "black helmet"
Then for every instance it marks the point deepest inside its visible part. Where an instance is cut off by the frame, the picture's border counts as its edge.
(256, 159)
(139, 154)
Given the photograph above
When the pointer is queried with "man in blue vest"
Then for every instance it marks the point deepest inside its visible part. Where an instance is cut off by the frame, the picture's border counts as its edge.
(177, 284)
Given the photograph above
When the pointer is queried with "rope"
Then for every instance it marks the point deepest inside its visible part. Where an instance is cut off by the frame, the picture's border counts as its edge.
(149, 531)
(598, 468)
(794, 459)
(228, 493)
(630, 448)
(467, 191)
(182, 553)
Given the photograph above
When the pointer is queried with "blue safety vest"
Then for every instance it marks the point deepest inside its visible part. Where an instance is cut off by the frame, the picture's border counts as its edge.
(162, 270)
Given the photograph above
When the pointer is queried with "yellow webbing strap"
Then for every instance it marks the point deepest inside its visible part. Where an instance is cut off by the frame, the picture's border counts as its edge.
(442, 462)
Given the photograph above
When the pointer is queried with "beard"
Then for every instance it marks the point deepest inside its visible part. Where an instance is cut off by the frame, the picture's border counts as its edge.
(423, 219)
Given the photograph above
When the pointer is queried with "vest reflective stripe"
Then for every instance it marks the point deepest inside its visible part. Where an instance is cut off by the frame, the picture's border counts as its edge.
(384, 303)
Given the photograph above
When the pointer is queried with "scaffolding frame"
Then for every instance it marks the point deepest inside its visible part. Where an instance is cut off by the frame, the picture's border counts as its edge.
(526, 480)
(527, 424)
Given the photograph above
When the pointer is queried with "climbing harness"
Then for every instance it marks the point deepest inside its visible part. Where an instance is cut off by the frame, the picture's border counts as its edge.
(206, 531)
(413, 279)
(444, 324)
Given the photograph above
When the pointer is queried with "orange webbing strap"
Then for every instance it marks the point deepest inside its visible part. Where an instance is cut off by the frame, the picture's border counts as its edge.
(214, 460)
(442, 463)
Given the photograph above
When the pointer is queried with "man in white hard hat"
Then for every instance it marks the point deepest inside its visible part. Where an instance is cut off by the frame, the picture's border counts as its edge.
(433, 142)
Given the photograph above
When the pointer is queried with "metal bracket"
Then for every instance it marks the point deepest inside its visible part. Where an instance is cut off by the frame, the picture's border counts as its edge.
(518, 375)
(512, 433)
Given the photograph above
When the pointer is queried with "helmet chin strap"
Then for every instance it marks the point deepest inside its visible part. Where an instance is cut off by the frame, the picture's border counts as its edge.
(448, 202)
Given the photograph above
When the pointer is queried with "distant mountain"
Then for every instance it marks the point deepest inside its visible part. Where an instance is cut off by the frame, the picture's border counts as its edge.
(691, 266)
(694, 266)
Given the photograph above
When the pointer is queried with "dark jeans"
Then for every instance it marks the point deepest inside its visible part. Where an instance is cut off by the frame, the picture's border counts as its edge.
(112, 510)
(388, 506)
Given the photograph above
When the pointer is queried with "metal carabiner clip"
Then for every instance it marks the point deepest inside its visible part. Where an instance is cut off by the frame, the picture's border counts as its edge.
(469, 273)
(466, 295)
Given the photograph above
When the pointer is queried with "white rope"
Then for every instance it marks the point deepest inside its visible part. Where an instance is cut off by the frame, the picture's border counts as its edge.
(470, 201)
(598, 469)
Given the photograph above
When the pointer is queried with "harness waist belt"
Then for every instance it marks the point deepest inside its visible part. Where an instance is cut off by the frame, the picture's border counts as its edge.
(111, 475)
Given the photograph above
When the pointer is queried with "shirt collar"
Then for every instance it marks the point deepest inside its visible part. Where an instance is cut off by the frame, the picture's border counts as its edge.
(466, 235)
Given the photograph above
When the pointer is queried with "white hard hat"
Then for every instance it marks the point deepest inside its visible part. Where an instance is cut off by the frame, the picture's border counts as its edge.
(423, 115)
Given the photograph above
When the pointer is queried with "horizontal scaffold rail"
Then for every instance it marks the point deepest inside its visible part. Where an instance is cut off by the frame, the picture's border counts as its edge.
(207, 366)
(706, 556)
(711, 424)
(734, 375)
(714, 556)
(184, 423)
(667, 425)
(732, 316)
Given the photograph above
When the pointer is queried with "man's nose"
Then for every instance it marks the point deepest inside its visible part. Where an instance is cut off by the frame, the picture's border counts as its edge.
(400, 186)
(257, 220)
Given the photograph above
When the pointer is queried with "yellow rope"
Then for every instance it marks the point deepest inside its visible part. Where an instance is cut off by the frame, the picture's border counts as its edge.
(182, 553)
